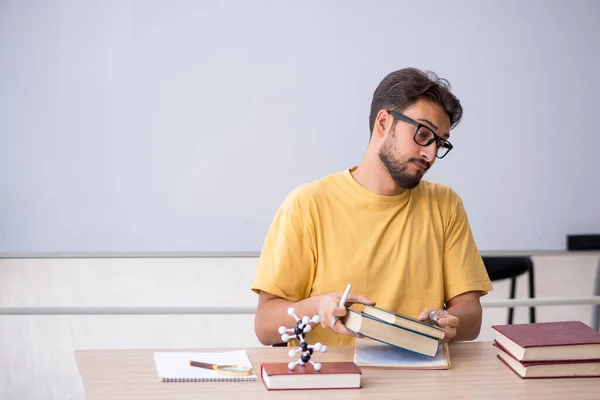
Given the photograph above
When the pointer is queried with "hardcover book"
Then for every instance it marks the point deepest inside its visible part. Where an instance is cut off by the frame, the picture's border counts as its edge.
(332, 375)
(549, 369)
(549, 341)
(391, 334)
(404, 321)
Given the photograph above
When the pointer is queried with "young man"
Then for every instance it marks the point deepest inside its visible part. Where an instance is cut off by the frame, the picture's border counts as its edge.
(403, 243)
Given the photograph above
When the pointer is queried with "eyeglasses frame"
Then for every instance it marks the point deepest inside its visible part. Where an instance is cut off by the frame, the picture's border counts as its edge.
(436, 138)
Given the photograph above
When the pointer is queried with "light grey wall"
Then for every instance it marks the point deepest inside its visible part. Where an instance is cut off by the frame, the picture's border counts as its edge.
(180, 126)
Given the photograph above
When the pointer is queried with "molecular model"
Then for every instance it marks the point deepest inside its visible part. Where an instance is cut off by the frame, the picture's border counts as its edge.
(299, 331)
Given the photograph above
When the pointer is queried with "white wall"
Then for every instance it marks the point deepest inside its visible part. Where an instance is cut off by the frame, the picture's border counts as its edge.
(36, 358)
(39, 349)
(137, 126)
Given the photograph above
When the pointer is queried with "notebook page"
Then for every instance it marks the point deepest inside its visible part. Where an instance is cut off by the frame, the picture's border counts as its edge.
(174, 366)
(373, 353)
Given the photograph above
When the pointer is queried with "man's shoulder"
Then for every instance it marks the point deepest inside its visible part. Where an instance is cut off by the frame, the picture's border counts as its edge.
(318, 187)
(315, 190)
(438, 192)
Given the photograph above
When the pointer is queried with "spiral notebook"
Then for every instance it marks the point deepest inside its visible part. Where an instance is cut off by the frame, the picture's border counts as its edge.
(174, 366)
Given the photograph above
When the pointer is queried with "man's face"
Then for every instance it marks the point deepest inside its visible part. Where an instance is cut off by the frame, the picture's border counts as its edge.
(404, 159)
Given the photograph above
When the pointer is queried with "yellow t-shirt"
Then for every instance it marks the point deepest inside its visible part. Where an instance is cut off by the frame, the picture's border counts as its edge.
(405, 252)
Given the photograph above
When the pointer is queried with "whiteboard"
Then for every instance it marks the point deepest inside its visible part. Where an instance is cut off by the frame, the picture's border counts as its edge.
(174, 126)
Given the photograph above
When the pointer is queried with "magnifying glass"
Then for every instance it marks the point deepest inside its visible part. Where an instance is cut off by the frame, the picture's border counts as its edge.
(436, 315)
(228, 370)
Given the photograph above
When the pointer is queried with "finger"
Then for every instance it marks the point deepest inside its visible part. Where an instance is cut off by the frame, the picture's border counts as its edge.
(357, 298)
(424, 316)
(451, 322)
(340, 311)
(448, 337)
(324, 323)
(337, 313)
(326, 320)
(449, 333)
(340, 328)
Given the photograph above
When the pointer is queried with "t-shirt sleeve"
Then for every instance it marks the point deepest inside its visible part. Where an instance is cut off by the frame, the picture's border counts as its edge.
(464, 270)
(287, 263)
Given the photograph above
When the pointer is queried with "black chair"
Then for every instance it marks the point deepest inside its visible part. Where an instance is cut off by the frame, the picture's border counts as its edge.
(499, 268)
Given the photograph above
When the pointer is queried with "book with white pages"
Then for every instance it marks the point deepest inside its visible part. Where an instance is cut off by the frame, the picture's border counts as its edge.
(372, 353)
(174, 366)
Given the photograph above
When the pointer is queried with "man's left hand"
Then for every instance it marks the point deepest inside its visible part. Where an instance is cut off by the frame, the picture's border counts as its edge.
(447, 322)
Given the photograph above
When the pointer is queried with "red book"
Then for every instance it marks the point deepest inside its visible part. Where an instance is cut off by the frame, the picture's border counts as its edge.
(549, 369)
(549, 341)
(332, 375)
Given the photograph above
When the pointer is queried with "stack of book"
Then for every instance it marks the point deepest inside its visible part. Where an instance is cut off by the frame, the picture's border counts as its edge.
(549, 349)
(395, 329)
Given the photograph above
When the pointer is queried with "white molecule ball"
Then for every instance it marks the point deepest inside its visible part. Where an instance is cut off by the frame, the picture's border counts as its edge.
(307, 328)
(305, 320)
(282, 329)
(291, 311)
(291, 365)
(292, 353)
(285, 337)
(317, 366)
(316, 319)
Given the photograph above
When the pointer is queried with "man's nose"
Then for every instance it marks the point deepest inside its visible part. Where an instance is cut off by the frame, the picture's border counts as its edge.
(428, 152)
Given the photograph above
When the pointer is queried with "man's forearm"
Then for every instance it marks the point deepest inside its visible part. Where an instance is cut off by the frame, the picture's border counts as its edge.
(272, 313)
(469, 315)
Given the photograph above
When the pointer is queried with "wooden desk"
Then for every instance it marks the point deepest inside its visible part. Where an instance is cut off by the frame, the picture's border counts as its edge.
(476, 373)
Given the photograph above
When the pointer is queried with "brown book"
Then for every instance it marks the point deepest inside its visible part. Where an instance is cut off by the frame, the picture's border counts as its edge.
(549, 341)
(549, 369)
(391, 334)
(404, 321)
(332, 375)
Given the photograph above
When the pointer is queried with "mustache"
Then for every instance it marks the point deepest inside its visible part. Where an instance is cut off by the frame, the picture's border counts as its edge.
(420, 160)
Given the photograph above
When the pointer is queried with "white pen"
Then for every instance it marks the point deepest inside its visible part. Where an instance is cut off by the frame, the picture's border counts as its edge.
(342, 301)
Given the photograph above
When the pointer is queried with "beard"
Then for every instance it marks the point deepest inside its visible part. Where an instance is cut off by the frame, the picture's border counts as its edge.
(397, 166)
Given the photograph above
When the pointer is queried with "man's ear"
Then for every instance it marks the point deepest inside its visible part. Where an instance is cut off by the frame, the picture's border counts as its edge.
(382, 123)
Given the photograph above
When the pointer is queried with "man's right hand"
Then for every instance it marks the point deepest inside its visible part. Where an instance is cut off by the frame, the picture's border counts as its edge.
(328, 308)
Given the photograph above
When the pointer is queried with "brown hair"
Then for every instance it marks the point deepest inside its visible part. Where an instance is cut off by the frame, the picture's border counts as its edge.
(402, 88)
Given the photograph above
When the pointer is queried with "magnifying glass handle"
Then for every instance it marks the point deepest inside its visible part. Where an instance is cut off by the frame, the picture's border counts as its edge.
(235, 370)
(202, 365)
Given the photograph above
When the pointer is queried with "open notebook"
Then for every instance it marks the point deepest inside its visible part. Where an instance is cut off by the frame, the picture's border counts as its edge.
(174, 366)
(371, 353)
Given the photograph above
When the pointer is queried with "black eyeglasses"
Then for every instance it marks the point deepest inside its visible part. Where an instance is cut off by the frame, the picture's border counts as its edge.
(424, 136)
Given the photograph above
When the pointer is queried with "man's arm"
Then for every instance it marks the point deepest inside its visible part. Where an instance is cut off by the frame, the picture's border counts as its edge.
(467, 308)
(465, 276)
(271, 313)
(464, 319)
